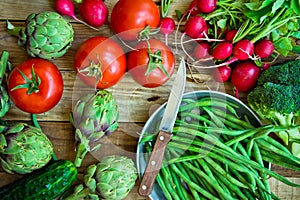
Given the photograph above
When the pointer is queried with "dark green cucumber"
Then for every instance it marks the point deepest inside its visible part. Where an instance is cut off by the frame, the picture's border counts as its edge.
(48, 182)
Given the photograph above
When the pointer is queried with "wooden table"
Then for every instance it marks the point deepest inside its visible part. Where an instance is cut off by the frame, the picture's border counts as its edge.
(135, 103)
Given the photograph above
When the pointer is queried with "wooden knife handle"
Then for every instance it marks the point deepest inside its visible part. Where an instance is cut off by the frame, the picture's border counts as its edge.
(154, 163)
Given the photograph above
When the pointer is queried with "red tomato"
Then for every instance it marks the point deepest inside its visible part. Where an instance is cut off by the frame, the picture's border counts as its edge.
(46, 93)
(129, 17)
(139, 65)
(100, 62)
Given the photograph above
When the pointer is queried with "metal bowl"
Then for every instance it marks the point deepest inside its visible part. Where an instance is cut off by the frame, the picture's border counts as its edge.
(153, 123)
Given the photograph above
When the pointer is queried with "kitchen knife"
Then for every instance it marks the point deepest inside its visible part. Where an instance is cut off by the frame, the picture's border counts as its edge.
(165, 131)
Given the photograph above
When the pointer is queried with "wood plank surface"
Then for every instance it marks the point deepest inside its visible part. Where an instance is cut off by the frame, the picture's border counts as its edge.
(136, 104)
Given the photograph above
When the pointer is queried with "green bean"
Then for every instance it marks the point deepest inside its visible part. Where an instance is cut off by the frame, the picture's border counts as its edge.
(233, 188)
(249, 133)
(286, 163)
(242, 160)
(232, 118)
(163, 186)
(207, 103)
(191, 184)
(259, 159)
(179, 187)
(218, 121)
(147, 138)
(220, 170)
(195, 180)
(248, 195)
(198, 117)
(211, 182)
(263, 144)
(273, 142)
(183, 128)
(170, 185)
(250, 184)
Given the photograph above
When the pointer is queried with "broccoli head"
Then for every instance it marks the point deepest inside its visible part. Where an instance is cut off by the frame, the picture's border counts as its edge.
(275, 102)
(287, 73)
(276, 99)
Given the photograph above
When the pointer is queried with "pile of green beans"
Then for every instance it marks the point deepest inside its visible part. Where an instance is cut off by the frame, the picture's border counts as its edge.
(217, 154)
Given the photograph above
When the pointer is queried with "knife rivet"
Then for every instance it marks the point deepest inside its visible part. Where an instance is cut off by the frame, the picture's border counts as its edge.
(161, 138)
(144, 187)
(152, 162)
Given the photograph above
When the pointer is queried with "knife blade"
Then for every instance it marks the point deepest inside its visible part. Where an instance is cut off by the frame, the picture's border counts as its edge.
(165, 131)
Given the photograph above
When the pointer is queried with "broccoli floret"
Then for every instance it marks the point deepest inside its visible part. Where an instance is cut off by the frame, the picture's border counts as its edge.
(274, 102)
(279, 104)
(287, 73)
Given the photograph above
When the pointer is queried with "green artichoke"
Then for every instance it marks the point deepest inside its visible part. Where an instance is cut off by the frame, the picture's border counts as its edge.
(94, 116)
(46, 35)
(23, 148)
(111, 178)
(4, 98)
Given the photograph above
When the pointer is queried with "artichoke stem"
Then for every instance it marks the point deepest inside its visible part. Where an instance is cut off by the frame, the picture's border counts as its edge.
(81, 152)
(14, 30)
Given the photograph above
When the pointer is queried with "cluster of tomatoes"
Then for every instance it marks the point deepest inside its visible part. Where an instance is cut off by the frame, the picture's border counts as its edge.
(102, 62)
(36, 85)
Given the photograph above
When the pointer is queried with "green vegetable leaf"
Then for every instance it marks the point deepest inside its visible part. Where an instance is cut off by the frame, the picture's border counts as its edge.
(284, 46)
(258, 16)
(277, 4)
(295, 6)
(222, 23)
(296, 34)
(257, 5)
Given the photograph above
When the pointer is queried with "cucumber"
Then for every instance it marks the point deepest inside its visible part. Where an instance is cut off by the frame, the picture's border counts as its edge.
(48, 182)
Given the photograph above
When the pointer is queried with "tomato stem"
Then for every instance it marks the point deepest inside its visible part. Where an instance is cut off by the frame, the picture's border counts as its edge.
(155, 61)
(31, 84)
(93, 70)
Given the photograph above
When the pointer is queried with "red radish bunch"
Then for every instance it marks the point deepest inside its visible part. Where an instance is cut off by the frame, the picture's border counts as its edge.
(93, 12)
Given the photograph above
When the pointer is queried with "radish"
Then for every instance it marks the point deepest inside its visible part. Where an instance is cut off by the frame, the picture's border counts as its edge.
(222, 74)
(196, 27)
(243, 49)
(264, 48)
(93, 12)
(230, 35)
(66, 7)
(193, 10)
(167, 26)
(206, 6)
(201, 50)
(244, 76)
(265, 66)
(222, 50)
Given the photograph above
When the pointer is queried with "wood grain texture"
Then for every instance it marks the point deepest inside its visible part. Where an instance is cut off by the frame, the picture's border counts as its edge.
(135, 103)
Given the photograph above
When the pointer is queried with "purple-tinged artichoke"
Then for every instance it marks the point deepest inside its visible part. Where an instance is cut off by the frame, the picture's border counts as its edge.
(94, 116)
(24, 148)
